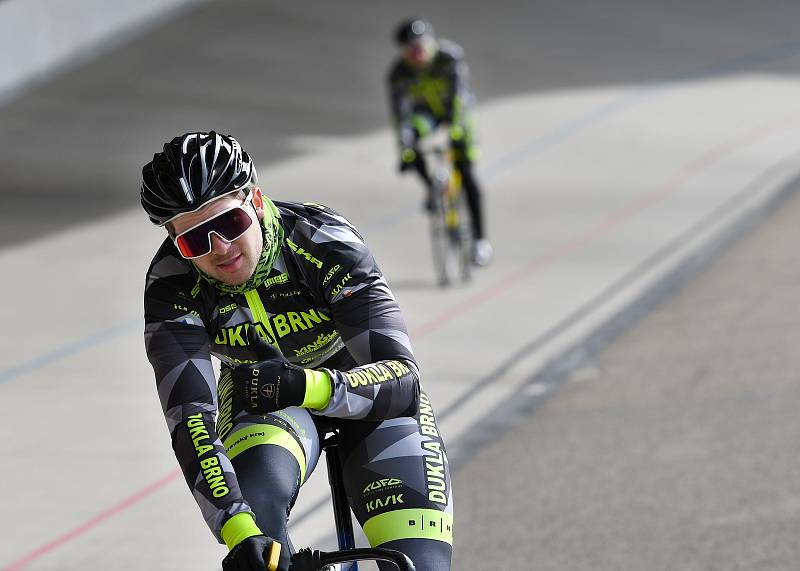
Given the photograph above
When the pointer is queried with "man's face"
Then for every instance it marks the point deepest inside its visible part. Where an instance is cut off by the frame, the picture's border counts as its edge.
(229, 262)
(420, 52)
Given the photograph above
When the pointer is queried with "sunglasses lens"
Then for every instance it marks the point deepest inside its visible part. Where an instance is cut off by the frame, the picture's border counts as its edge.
(232, 224)
(193, 244)
(229, 225)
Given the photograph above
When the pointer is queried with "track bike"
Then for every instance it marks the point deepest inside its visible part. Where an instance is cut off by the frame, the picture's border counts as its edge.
(451, 233)
(314, 560)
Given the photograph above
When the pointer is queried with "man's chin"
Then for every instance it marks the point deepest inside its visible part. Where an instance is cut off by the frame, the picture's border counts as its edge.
(231, 278)
(235, 278)
(231, 281)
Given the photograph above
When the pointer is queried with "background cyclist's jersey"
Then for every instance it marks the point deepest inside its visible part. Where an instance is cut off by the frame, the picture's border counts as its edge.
(325, 304)
(440, 90)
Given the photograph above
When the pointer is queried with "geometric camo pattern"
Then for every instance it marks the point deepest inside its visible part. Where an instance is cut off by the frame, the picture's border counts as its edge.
(325, 304)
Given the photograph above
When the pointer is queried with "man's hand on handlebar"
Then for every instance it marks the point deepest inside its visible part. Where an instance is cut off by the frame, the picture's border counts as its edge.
(408, 157)
(257, 553)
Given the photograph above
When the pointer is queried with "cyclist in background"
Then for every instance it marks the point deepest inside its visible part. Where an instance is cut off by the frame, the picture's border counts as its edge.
(310, 338)
(429, 86)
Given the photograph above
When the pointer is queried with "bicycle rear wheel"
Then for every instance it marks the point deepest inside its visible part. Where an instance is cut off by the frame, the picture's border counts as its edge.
(463, 239)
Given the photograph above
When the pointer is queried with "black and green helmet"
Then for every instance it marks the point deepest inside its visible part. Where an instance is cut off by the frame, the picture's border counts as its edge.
(412, 29)
(193, 169)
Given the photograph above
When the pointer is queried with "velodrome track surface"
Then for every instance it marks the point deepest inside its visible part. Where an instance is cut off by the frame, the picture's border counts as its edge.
(676, 448)
(617, 141)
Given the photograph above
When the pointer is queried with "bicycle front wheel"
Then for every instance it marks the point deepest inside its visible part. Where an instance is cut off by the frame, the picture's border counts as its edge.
(445, 249)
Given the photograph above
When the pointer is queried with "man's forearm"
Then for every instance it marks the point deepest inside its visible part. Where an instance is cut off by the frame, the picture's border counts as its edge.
(376, 391)
(208, 471)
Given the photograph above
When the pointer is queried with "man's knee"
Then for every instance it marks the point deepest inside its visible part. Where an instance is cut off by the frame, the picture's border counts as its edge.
(272, 456)
(269, 477)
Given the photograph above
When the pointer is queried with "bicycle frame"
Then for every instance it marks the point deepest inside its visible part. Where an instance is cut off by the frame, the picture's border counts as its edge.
(341, 507)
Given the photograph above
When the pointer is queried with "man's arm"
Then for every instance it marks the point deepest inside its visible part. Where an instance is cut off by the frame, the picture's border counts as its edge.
(386, 382)
(401, 107)
(178, 349)
(369, 320)
(458, 75)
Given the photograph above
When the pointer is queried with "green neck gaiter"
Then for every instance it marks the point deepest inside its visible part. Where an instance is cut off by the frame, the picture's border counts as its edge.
(273, 238)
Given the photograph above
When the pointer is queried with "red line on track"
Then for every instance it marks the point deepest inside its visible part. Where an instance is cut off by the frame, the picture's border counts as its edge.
(93, 522)
(612, 221)
(505, 283)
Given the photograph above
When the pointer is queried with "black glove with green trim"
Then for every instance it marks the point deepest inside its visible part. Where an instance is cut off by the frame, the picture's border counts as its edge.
(257, 553)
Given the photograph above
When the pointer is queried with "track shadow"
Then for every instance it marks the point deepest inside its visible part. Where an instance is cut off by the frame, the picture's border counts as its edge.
(269, 71)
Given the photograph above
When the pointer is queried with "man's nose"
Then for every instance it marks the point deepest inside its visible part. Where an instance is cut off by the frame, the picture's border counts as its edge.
(219, 245)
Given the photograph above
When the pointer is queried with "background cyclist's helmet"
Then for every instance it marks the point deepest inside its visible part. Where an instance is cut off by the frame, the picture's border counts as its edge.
(193, 169)
(411, 30)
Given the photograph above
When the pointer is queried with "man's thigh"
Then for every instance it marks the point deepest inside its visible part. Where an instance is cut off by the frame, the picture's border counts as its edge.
(273, 455)
(398, 484)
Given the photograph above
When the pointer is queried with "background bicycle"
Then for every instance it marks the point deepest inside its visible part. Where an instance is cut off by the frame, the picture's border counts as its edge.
(451, 234)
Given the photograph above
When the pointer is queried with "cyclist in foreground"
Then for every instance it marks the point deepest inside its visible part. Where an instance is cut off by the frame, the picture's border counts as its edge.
(429, 86)
(310, 338)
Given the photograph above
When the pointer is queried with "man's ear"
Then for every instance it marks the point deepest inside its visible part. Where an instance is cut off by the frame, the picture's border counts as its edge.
(258, 202)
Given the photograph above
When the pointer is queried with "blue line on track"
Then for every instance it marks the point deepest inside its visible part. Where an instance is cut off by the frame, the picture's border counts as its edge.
(69, 350)
(644, 93)
(534, 147)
